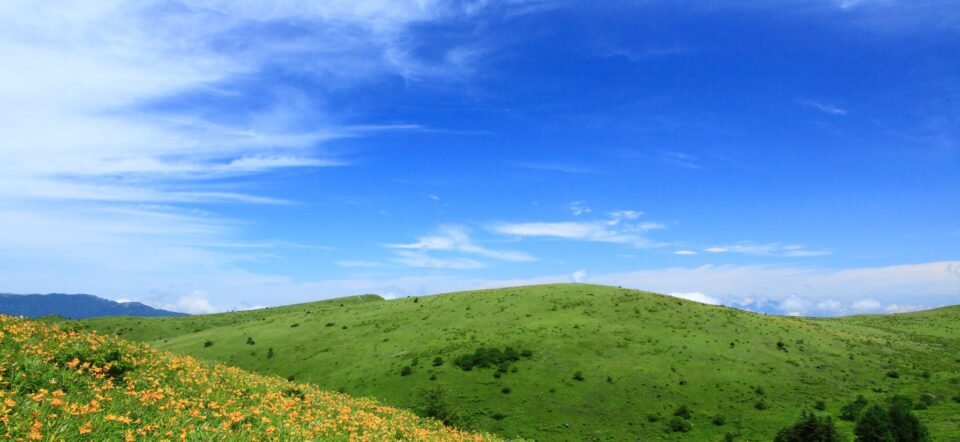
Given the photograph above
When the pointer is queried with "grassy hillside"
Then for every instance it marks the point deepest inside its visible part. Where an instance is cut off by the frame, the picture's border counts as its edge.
(639, 356)
(60, 384)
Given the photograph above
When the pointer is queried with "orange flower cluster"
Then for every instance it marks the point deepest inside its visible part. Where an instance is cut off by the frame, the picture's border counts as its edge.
(60, 383)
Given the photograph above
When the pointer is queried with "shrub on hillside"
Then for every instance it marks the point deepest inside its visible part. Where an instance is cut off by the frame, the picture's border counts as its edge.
(682, 411)
(406, 371)
(208, 344)
(680, 425)
(437, 406)
(810, 428)
(484, 357)
(852, 410)
(437, 361)
(578, 376)
(894, 422)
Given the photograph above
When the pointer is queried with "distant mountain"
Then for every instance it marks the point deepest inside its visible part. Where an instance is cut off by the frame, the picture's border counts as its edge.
(74, 306)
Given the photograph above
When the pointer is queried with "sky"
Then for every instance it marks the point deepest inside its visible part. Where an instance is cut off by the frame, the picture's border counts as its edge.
(798, 157)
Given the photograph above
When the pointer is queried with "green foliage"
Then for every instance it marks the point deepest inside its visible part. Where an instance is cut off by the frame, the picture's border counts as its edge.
(435, 403)
(852, 410)
(406, 370)
(208, 343)
(437, 361)
(894, 422)
(484, 357)
(250, 341)
(578, 376)
(810, 428)
(820, 406)
(679, 425)
(682, 411)
(760, 405)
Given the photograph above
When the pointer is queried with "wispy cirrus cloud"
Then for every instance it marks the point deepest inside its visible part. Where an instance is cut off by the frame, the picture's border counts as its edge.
(768, 249)
(824, 107)
(619, 227)
(120, 118)
(556, 167)
(456, 239)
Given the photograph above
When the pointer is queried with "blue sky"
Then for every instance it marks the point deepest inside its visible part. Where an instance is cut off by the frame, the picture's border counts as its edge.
(796, 157)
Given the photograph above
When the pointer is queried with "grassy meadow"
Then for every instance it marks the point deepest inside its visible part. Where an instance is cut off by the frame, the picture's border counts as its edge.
(586, 362)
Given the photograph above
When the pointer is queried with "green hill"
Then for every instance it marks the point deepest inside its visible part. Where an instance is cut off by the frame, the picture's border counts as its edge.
(639, 357)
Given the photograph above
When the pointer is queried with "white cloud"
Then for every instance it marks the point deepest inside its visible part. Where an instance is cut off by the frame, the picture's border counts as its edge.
(556, 167)
(358, 263)
(194, 306)
(794, 305)
(825, 107)
(684, 252)
(412, 258)
(830, 305)
(696, 296)
(119, 116)
(768, 249)
(579, 276)
(579, 208)
(898, 308)
(866, 305)
(456, 238)
(615, 229)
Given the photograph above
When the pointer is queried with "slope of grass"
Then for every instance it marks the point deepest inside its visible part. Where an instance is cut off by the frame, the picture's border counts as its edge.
(640, 356)
(62, 384)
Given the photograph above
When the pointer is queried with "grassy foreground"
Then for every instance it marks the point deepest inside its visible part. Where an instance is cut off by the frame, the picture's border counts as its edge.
(58, 383)
(603, 363)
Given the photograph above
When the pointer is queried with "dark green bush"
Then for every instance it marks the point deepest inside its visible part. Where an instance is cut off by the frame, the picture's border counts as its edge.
(484, 357)
(682, 411)
(894, 422)
(820, 405)
(680, 425)
(760, 405)
(718, 421)
(208, 344)
(437, 361)
(406, 371)
(436, 405)
(578, 376)
(852, 410)
(810, 428)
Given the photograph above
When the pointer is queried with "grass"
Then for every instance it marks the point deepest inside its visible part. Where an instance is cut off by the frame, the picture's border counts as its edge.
(604, 363)
(57, 383)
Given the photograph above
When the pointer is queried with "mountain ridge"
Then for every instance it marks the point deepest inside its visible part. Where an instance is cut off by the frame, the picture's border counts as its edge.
(74, 306)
